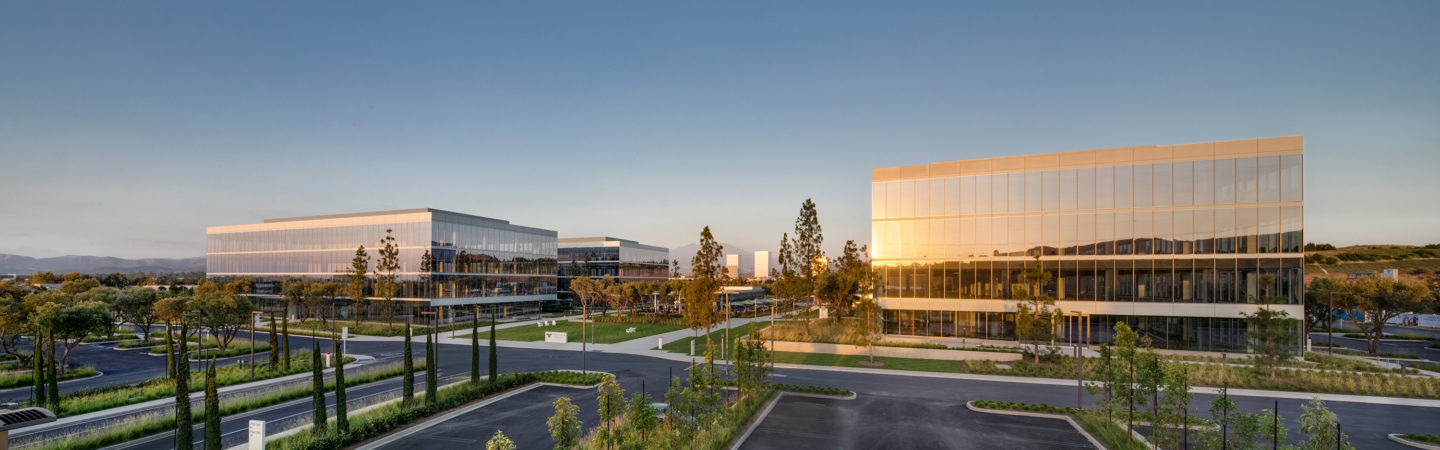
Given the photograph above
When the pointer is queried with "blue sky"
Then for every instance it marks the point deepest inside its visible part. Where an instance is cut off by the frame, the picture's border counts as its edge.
(127, 127)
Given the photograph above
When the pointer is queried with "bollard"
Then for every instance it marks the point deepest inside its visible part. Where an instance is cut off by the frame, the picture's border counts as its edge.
(659, 343)
(692, 348)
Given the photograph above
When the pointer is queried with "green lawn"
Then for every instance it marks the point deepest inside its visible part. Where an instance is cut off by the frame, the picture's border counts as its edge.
(825, 359)
(605, 333)
(716, 337)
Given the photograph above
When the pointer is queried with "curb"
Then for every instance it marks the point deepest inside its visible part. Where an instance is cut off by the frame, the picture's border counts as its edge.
(1066, 417)
(1417, 444)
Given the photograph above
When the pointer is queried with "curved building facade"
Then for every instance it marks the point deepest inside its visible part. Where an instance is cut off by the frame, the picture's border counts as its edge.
(1177, 241)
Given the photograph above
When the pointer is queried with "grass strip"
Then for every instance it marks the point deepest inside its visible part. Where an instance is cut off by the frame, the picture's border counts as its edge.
(27, 377)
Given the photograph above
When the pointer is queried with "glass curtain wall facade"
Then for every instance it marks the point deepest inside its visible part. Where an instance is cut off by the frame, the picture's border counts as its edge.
(1174, 240)
(624, 260)
(473, 259)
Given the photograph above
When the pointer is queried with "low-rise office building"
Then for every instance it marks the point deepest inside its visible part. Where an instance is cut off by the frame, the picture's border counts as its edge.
(623, 260)
(445, 258)
(1176, 241)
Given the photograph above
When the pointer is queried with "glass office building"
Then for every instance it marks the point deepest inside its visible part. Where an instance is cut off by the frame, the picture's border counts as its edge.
(1177, 241)
(624, 260)
(472, 259)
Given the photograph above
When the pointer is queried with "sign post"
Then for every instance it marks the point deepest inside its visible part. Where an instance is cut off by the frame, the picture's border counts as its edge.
(257, 435)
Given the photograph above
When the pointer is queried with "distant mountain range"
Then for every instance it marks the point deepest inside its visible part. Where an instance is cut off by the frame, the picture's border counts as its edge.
(25, 265)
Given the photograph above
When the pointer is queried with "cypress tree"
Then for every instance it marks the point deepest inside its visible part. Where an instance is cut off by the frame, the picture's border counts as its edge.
(494, 357)
(274, 344)
(408, 384)
(37, 363)
(184, 437)
(53, 385)
(475, 349)
(342, 419)
(212, 410)
(429, 368)
(169, 351)
(285, 342)
(321, 425)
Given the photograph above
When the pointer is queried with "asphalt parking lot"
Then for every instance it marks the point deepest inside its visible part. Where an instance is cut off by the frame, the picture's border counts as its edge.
(885, 422)
(522, 416)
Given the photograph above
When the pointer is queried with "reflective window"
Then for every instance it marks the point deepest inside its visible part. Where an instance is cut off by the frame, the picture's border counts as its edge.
(1184, 222)
(1248, 228)
(1068, 190)
(1246, 186)
(1164, 181)
(1105, 234)
(1144, 185)
(1050, 190)
(1204, 231)
(1183, 183)
(1144, 233)
(1050, 232)
(1269, 178)
(1104, 187)
(967, 195)
(1164, 232)
(999, 193)
(937, 197)
(1124, 187)
(1124, 233)
(1291, 179)
(922, 198)
(1204, 183)
(1225, 182)
(952, 196)
(982, 194)
(877, 200)
(1034, 191)
(907, 198)
(1085, 189)
(892, 199)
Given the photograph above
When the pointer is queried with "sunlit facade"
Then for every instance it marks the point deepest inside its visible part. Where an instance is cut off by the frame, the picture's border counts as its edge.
(624, 260)
(1177, 241)
(473, 259)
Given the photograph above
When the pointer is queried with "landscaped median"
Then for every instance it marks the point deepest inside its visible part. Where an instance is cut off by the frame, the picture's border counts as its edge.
(90, 400)
(21, 378)
(147, 423)
(389, 417)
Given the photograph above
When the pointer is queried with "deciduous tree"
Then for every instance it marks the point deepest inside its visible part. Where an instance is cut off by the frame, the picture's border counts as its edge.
(137, 307)
(564, 425)
(1377, 300)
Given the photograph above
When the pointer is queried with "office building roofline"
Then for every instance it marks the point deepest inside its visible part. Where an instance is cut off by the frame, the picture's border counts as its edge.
(1283, 145)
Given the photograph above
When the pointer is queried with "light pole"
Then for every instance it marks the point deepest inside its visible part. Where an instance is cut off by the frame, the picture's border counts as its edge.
(1079, 363)
(254, 316)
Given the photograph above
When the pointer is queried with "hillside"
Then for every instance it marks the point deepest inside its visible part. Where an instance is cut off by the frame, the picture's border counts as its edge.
(25, 265)
(1413, 262)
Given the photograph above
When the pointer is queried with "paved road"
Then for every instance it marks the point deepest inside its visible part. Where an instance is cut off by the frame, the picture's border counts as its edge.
(1418, 349)
(895, 422)
(900, 399)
